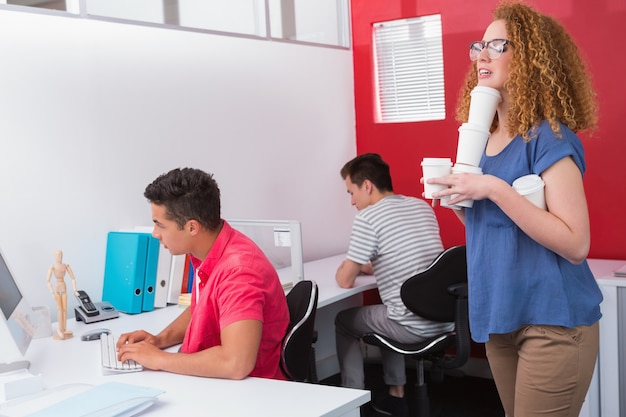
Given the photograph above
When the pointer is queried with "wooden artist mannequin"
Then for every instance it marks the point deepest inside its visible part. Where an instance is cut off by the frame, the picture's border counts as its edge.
(60, 293)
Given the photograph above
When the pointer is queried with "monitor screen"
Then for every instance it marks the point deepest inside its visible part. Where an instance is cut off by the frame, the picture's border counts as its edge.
(10, 295)
(281, 241)
(16, 325)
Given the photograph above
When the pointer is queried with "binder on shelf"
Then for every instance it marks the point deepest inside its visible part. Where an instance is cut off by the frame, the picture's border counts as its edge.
(150, 279)
(125, 270)
(162, 269)
(191, 275)
(153, 254)
(163, 277)
(184, 287)
(176, 278)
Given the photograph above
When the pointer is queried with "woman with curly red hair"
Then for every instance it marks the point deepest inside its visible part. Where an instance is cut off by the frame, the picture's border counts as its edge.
(533, 299)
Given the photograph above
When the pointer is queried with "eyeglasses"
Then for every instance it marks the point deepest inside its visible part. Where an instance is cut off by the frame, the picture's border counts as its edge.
(495, 47)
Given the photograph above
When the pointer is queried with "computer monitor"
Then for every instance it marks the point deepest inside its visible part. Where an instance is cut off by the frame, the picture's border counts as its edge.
(16, 319)
(281, 241)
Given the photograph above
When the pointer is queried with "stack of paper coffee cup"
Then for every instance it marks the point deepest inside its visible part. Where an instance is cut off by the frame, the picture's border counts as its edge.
(483, 106)
(472, 142)
(473, 136)
(456, 169)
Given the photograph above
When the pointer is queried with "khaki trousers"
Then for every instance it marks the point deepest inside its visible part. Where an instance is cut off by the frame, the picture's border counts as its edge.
(543, 370)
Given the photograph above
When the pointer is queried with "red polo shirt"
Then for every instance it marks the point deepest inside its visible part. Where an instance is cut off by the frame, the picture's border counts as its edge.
(237, 282)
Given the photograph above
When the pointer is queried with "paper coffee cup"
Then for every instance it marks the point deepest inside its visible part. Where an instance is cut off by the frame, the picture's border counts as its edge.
(435, 168)
(444, 203)
(532, 187)
(456, 169)
(483, 104)
(471, 146)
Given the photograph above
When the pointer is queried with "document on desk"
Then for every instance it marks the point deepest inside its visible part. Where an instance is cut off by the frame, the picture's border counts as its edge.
(111, 399)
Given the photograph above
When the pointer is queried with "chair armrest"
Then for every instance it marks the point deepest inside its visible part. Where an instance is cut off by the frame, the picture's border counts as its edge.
(458, 290)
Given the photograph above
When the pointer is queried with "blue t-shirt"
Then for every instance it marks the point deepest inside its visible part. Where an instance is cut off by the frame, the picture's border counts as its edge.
(513, 280)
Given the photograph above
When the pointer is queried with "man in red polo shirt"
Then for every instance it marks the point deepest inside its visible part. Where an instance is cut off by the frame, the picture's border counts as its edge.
(238, 314)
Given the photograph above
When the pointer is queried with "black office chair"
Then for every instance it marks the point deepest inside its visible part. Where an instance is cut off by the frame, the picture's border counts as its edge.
(438, 293)
(297, 359)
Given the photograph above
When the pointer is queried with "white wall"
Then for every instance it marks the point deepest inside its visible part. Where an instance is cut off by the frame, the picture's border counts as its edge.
(91, 112)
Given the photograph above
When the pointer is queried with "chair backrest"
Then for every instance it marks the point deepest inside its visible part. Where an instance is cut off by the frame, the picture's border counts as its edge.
(297, 343)
(426, 294)
(439, 293)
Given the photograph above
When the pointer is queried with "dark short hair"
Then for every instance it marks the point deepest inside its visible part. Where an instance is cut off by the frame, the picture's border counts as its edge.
(187, 194)
(369, 166)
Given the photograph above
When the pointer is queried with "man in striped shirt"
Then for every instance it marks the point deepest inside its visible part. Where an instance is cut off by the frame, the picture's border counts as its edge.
(395, 237)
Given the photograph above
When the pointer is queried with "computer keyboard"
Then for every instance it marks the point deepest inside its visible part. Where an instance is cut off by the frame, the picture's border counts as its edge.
(110, 364)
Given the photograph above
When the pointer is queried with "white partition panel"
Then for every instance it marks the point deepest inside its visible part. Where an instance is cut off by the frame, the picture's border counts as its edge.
(92, 111)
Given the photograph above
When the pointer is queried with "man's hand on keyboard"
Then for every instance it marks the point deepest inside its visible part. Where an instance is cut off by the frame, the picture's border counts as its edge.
(136, 336)
(142, 352)
(110, 362)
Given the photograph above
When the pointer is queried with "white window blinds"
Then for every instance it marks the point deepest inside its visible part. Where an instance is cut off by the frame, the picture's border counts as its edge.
(408, 60)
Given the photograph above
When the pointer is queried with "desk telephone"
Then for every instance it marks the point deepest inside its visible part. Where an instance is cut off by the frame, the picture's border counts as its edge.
(91, 312)
(85, 302)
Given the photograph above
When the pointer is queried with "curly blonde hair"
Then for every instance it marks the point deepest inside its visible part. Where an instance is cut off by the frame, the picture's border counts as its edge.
(548, 79)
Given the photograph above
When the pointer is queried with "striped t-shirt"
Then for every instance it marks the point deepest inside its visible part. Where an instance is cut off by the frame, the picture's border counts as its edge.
(400, 236)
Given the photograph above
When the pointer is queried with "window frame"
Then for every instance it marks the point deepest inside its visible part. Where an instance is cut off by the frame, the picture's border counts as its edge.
(408, 70)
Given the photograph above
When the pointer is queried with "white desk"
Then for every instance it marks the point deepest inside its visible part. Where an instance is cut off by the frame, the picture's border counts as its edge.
(610, 391)
(72, 360)
(323, 272)
(75, 361)
(332, 299)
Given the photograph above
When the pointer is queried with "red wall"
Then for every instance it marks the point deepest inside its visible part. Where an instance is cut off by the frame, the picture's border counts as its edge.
(597, 27)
